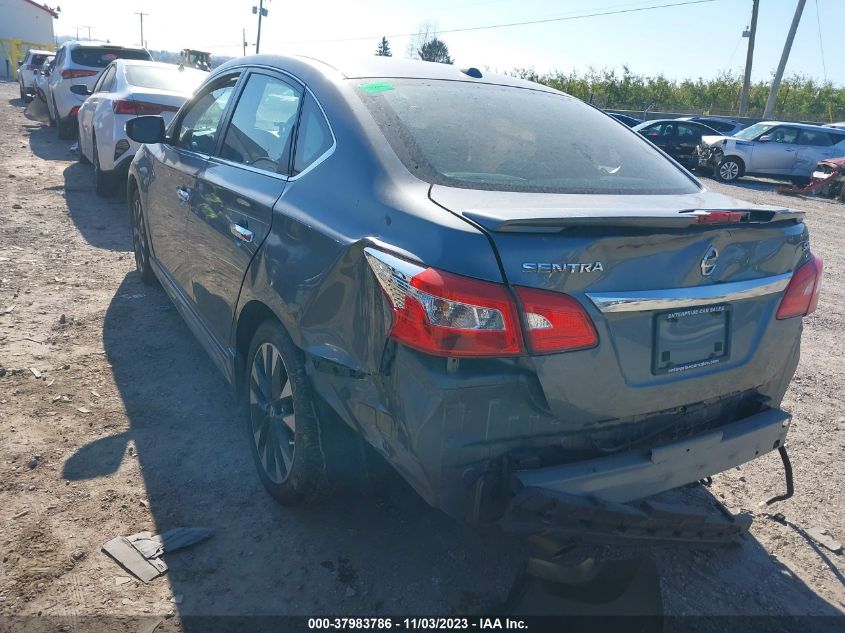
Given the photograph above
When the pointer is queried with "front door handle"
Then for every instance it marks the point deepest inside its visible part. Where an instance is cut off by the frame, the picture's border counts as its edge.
(243, 234)
(184, 195)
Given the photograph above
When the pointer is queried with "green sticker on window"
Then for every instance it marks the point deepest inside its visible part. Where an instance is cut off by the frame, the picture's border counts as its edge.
(379, 86)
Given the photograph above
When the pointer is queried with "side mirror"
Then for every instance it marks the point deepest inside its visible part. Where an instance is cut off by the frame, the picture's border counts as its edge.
(20, 63)
(766, 138)
(80, 89)
(146, 129)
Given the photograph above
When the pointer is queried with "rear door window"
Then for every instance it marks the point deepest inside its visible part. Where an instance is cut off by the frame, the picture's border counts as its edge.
(197, 127)
(37, 60)
(314, 137)
(814, 138)
(261, 130)
(102, 56)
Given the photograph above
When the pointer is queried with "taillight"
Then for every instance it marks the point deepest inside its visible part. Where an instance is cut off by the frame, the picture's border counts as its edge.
(74, 111)
(449, 315)
(444, 314)
(124, 106)
(555, 322)
(140, 108)
(802, 293)
(719, 217)
(73, 73)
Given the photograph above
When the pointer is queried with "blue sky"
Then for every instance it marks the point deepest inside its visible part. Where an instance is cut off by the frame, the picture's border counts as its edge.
(685, 41)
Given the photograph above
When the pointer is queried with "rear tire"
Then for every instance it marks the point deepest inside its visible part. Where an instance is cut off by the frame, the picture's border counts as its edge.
(285, 434)
(729, 169)
(140, 241)
(23, 93)
(82, 158)
(104, 182)
(50, 116)
(66, 127)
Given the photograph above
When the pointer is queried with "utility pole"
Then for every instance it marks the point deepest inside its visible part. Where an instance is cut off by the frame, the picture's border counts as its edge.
(749, 58)
(262, 13)
(141, 15)
(244, 40)
(83, 27)
(773, 93)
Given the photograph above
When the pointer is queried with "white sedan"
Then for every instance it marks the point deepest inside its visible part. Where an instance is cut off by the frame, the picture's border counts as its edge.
(126, 89)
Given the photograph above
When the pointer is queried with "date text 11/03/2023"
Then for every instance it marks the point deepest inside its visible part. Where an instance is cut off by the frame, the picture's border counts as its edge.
(429, 624)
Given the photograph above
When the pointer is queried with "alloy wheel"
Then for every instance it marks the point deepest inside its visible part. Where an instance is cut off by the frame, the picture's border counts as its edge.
(139, 237)
(272, 413)
(729, 170)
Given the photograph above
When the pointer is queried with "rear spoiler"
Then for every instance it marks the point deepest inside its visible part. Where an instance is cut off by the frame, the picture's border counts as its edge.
(550, 221)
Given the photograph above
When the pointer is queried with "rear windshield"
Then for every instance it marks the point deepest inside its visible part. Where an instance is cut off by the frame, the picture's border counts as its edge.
(100, 57)
(37, 60)
(482, 136)
(164, 77)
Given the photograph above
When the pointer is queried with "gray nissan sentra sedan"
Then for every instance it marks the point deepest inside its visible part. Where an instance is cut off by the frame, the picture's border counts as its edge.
(497, 286)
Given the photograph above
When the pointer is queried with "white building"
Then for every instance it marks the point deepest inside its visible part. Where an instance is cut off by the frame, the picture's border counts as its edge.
(24, 24)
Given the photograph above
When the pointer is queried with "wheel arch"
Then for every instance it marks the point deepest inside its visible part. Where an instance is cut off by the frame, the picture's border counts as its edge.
(740, 161)
(251, 316)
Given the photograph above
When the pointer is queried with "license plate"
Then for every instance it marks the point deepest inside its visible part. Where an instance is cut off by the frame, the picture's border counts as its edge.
(691, 338)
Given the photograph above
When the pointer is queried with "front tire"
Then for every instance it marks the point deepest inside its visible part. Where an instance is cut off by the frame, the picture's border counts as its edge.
(140, 244)
(728, 170)
(286, 437)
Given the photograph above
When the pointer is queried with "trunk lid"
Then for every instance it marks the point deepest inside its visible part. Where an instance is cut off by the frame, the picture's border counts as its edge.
(684, 311)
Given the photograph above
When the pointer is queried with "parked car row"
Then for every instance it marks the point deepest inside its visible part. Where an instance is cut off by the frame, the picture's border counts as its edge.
(723, 148)
(427, 258)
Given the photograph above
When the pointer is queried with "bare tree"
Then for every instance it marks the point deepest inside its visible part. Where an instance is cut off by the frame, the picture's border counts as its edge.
(426, 31)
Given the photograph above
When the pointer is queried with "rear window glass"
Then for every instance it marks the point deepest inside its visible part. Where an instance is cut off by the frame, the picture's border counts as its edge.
(482, 136)
(101, 57)
(164, 77)
(37, 60)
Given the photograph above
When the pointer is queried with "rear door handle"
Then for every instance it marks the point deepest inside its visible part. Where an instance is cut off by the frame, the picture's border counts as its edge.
(243, 234)
(184, 195)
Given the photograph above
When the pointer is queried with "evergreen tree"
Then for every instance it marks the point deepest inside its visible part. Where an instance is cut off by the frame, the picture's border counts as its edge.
(383, 49)
(435, 50)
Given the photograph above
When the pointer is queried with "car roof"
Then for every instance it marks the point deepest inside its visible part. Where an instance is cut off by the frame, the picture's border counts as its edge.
(375, 66)
(803, 126)
(38, 51)
(97, 44)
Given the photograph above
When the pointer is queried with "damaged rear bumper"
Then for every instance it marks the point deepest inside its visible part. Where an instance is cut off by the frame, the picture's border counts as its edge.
(639, 474)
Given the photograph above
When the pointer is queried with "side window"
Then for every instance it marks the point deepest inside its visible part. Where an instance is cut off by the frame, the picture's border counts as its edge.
(314, 137)
(261, 129)
(688, 131)
(106, 81)
(810, 137)
(197, 128)
(784, 134)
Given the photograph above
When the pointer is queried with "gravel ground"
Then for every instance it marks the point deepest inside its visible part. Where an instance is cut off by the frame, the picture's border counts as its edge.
(119, 423)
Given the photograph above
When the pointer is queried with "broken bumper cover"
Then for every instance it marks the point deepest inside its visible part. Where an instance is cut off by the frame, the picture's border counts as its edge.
(635, 475)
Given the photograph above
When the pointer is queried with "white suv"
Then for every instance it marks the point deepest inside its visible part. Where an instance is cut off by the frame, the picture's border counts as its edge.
(27, 70)
(80, 63)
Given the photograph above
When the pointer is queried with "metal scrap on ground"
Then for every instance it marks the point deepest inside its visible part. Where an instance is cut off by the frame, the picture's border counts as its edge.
(141, 553)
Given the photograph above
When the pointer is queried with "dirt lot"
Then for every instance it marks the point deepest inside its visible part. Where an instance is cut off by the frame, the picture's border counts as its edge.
(119, 423)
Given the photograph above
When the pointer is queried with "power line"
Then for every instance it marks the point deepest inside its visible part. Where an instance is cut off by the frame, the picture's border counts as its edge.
(512, 24)
(821, 46)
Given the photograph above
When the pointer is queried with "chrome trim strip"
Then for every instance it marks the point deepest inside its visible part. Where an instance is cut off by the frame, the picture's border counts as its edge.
(673, 298)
